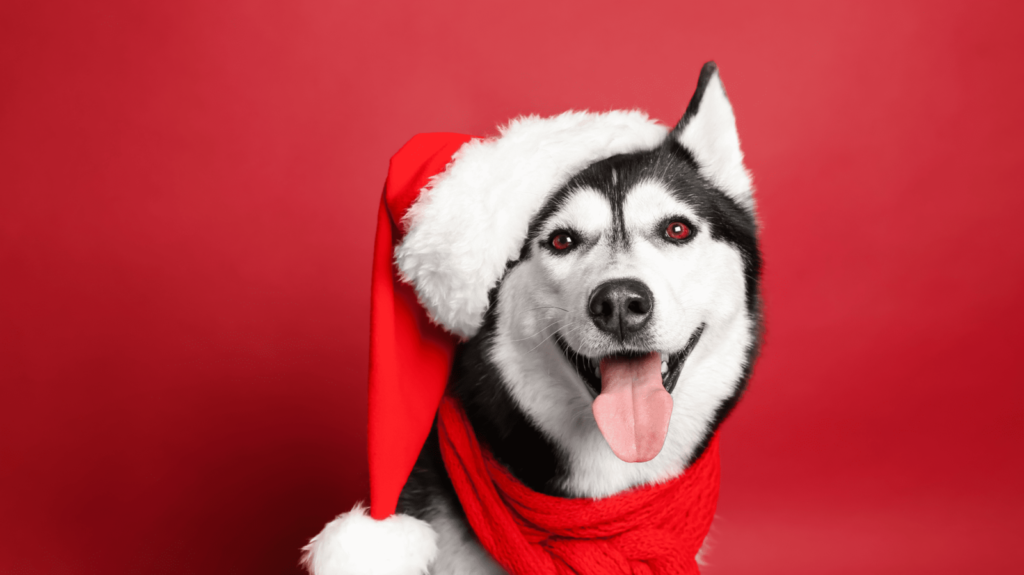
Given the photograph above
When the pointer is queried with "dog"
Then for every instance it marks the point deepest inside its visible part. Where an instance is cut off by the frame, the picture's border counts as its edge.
(623, 335)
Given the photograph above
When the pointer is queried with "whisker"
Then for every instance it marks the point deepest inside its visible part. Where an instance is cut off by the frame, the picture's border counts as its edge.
(553, 333)
(575, 329)
(538, 332)
(549, 307)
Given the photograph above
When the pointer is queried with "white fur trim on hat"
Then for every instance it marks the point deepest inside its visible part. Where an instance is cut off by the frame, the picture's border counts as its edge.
(356, 544)
(472, 219)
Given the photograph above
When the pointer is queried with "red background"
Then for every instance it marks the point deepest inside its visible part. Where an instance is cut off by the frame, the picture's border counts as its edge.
(187, 197)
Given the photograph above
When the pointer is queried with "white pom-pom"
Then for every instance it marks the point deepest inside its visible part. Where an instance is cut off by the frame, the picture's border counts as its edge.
(356, 544)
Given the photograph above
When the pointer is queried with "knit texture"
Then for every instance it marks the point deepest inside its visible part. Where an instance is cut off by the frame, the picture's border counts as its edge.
(651, 530)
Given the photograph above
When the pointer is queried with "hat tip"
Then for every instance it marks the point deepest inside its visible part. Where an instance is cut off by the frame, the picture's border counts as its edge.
(356, 544)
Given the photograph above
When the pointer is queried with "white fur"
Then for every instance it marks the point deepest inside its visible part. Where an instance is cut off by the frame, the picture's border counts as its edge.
(356, 544)
(459, 552)
(585, 212)
(711, 137)
(699, 282)
(472, 219)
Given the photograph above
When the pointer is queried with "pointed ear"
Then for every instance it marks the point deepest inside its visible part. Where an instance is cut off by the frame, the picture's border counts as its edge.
(708, 131)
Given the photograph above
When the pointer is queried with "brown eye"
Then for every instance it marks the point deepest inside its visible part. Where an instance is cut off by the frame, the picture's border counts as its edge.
(677, 231)
(562, 241)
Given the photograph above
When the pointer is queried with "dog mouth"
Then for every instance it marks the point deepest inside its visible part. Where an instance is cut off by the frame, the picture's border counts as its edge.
(632, 395)
(589, 368)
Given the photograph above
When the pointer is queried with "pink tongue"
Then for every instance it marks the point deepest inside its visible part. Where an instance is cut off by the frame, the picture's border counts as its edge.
(633, 409)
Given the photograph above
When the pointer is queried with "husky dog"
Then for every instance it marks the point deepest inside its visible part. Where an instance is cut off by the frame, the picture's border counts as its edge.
(643, 263)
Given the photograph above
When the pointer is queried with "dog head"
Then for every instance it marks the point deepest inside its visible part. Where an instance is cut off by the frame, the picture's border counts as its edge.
(628, 325)
(604, 271)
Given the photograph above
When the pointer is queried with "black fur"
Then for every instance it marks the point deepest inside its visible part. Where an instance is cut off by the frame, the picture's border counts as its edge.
(707, 72)
(477, 382)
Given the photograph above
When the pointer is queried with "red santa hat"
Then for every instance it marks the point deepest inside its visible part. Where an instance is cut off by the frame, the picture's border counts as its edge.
(455, 211)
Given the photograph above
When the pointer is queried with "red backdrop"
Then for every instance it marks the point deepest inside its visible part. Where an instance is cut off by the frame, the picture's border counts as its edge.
(187, 197)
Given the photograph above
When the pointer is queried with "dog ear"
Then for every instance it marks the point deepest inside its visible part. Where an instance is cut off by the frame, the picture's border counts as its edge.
(708, 131)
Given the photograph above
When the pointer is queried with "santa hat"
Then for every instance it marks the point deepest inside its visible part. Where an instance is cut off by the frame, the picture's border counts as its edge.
(455, 212)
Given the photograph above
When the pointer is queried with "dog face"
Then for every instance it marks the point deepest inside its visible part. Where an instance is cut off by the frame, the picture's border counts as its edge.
(633, 259)
(627, 327)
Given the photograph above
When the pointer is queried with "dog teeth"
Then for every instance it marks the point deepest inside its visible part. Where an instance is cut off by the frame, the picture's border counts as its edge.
(664, 367)
(597, 371)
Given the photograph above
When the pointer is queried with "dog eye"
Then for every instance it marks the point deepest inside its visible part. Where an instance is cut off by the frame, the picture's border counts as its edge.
(561, 241)
(677, 231)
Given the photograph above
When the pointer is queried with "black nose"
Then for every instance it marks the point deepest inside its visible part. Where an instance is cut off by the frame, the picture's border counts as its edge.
(621, 307)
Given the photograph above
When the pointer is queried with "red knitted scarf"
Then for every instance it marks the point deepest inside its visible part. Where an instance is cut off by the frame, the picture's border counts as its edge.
(651, 530)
